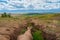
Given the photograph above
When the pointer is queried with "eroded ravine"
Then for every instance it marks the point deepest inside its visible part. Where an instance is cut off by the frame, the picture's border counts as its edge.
(12, 30)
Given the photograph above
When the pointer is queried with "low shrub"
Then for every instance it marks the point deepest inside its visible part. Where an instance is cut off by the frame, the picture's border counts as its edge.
(5, 15)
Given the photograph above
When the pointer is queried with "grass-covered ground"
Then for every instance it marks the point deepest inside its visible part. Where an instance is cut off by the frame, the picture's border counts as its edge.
(44, 19)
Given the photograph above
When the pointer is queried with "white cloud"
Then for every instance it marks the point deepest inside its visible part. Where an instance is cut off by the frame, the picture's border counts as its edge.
(53, 0)
(37, 4)
(2, 6)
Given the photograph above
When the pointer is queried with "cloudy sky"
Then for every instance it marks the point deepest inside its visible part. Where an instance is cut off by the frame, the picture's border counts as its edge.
(29, 5)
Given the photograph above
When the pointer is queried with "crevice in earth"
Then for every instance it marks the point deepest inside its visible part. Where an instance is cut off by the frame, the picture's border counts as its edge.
(46, 36)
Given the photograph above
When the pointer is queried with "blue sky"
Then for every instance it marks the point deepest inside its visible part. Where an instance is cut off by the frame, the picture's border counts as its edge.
(30, 6)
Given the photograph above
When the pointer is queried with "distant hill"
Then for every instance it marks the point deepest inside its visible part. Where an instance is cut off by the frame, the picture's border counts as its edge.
(39, 13)
(33, 13)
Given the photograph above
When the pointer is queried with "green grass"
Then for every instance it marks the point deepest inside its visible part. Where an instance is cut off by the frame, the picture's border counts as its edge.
(37, 35)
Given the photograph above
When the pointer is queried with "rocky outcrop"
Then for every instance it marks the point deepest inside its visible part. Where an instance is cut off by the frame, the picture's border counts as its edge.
(48, 36)
(9, 30)
(4, 37)
(26, 36)
(48, 30)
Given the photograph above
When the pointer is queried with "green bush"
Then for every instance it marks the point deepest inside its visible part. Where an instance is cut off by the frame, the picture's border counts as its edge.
(5, 15)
